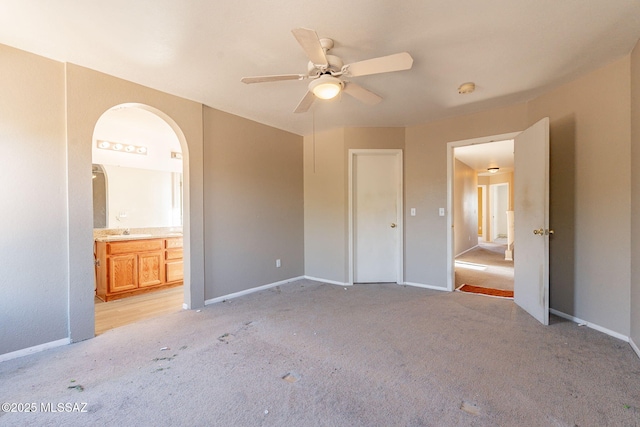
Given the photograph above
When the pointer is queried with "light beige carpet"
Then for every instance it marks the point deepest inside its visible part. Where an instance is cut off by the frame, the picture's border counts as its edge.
(310, 354)
(497, 272)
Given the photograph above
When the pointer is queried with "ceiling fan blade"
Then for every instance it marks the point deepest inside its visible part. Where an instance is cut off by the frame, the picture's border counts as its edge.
(275, 78)
(310, 43)
(361, 94)
(305, 103)
(383, 64)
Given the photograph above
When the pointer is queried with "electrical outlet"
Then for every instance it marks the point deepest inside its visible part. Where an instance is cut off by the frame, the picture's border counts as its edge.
(278, 263)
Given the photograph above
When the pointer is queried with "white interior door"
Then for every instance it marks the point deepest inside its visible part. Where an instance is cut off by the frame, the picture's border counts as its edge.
(531, 218)
(376, 204)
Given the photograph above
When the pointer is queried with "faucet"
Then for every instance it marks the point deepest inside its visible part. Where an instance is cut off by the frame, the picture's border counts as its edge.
(126, 232)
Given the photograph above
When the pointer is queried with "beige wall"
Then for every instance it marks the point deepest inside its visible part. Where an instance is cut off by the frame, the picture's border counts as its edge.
(590, 195)
(326, 195)
(465, 207)
(325, 218)
(253, 204)
(635, 195)
(33, 249)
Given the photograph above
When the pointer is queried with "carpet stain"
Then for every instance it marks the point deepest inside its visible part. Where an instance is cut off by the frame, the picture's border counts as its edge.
(225, 338)
(291, 377)
(470, 408)
(168, 358)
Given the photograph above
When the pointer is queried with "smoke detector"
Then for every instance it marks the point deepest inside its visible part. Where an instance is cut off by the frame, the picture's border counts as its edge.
(466, 88)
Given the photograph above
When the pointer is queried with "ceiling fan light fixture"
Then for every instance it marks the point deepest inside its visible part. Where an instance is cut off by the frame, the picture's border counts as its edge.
(493, 170)
(326, 87)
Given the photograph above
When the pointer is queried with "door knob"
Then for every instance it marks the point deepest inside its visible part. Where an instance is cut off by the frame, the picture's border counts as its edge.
(539, 231)
(549, 231)
(393, 225)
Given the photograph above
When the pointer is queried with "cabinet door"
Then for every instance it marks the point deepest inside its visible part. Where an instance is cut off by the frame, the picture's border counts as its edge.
(123, 273)
(150, 269)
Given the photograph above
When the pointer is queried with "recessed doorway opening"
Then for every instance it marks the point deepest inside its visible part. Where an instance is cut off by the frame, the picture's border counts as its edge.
(529, 216)
(138, 217)
(483, 176)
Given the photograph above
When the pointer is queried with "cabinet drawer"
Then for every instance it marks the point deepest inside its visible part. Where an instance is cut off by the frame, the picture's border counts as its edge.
(174, 254)
(174, 242)
(130, 246)
(174, 271)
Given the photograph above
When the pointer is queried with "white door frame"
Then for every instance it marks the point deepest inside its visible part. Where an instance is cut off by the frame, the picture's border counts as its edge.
(400, 253)
(450, 212)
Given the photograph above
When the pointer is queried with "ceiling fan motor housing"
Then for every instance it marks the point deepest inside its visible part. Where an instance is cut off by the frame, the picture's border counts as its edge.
(335, 66)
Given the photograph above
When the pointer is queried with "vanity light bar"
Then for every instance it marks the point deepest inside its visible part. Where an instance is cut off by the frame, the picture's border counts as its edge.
(125, 148)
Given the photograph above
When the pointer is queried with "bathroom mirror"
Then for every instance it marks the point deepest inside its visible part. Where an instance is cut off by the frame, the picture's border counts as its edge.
(125, 197)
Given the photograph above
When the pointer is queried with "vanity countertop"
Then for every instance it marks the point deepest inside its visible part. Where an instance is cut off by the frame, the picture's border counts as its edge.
(135, 236)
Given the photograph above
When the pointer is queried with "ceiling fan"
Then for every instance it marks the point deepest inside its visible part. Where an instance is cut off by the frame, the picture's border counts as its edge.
(324, 70)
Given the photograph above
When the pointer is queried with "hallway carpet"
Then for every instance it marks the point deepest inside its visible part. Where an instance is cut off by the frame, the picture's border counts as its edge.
(311, 354)
(497, 274)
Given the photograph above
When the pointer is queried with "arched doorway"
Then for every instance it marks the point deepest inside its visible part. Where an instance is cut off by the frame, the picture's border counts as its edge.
(141, 158)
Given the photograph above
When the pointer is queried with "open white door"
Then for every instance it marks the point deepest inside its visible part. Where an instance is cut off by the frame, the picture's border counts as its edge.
(531, 206)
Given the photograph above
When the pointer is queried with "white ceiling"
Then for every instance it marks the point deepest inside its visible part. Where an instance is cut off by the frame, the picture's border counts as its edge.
(481, 157)
(511, 49)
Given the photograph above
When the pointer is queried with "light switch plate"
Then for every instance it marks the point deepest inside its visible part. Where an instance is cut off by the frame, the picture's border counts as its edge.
(413, 211)
(441, 211)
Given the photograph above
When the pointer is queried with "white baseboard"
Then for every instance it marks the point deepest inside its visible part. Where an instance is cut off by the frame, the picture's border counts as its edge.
(250, 291)
(34, 349)
(634, 347)
(590, 325)
(330, 282)
(422, 285)
(464, 252)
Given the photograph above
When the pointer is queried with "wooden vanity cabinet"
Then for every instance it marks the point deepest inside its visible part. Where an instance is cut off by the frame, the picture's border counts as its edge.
(130, 267)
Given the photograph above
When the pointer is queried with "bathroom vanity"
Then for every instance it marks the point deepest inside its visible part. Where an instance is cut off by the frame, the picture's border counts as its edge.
(137, 264)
